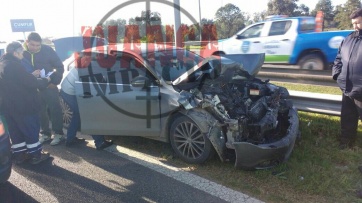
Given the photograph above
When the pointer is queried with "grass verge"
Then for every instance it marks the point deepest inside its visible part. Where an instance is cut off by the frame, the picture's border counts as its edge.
(317, 170)
(309, 88)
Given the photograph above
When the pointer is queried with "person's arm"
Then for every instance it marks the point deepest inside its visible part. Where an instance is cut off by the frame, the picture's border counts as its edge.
(27, 80)
(58, 66)
(337, 64)
(27, 65)
(43, 83)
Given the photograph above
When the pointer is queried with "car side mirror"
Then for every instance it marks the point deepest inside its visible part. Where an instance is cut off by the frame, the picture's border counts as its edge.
(240, 37)
(140, 81)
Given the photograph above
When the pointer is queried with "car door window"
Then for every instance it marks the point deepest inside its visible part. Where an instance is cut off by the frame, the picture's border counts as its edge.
(252, 32)
(279, 27)
(134, 68)
(307, 25)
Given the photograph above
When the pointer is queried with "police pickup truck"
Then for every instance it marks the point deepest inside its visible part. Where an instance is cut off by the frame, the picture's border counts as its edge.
(284, 40)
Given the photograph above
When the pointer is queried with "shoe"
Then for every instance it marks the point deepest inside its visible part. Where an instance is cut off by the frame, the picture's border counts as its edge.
(21, 158)
(44, 138)
(40, 158)
(56, 140)
(105, 144)
(74, 141)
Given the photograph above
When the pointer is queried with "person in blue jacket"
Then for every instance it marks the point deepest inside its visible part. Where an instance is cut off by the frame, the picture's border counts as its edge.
(43, 58)
(21, 105)
(347, 70)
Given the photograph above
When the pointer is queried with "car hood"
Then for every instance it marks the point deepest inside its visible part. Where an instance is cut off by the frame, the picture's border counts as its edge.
(229, 66)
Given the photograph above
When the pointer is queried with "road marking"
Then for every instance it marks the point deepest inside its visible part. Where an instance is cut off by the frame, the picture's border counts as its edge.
(195, 181)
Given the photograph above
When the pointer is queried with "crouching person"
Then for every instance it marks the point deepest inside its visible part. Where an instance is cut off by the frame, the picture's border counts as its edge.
(67, 93)
(21, 105)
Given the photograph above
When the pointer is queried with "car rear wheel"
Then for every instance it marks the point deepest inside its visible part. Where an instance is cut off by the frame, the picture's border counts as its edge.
(188, 142)
(311, 62)
(67, 113)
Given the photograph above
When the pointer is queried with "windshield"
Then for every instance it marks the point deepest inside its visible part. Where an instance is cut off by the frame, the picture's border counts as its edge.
(172, 63)
(177, 65)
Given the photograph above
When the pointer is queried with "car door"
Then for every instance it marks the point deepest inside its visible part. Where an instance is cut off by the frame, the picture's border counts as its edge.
(122, 99)
(246, 41)
(279, 43)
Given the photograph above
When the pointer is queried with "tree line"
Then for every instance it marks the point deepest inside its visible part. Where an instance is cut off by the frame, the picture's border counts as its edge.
(228, 20)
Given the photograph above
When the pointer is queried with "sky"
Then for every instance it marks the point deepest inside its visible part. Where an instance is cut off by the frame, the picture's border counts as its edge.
(64, 18)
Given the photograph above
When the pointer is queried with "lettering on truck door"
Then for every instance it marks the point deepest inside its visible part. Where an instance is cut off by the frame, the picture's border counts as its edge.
(279, 44)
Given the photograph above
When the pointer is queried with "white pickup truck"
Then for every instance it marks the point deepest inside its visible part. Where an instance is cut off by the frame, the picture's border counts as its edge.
(290, 41)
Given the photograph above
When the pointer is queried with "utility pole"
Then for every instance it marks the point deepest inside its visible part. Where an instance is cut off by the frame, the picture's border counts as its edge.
(178, 34)
(200, 20)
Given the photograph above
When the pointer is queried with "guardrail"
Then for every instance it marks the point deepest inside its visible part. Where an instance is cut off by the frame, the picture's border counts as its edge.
(306, 101)
(317, 103)
(297, 76)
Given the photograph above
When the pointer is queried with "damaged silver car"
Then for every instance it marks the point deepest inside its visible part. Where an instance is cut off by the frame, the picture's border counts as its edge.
(199, 105)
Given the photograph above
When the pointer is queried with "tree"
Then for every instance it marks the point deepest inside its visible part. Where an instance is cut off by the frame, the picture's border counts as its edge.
(302, 10)
(146, 19)
(228, 20)
(343, 12)
(258, 16)
(205, 21)
(327, 8)
(282, 7)
(108, 26)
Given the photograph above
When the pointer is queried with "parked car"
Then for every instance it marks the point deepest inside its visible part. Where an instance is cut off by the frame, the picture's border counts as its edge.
(5, 154)
(199, 105)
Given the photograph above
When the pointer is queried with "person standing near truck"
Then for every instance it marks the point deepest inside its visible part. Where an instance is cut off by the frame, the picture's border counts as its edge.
(45, 59)
(347, 71)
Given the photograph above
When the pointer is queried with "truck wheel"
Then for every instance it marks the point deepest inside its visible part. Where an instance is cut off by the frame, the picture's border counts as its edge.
(311, 62)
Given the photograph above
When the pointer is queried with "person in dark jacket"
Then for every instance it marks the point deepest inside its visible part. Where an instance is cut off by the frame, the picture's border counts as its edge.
(347, 70)
(44, 58)
(21, 105)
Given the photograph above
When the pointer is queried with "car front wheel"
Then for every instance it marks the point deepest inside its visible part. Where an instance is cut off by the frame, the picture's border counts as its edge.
(188, 142)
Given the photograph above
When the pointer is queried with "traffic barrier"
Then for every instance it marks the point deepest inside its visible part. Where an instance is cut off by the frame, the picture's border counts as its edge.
(316, 102)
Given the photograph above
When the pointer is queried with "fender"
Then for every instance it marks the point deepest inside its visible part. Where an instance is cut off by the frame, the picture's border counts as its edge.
(212, 128)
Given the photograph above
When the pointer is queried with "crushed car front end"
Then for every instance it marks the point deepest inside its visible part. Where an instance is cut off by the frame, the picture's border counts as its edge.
(239, 112)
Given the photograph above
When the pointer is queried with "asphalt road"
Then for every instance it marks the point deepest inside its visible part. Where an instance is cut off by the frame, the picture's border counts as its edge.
(83, 174)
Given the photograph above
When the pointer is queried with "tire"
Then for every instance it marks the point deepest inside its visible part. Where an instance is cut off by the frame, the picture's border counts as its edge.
(67, 113)
(188, 142)
(311, 62)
